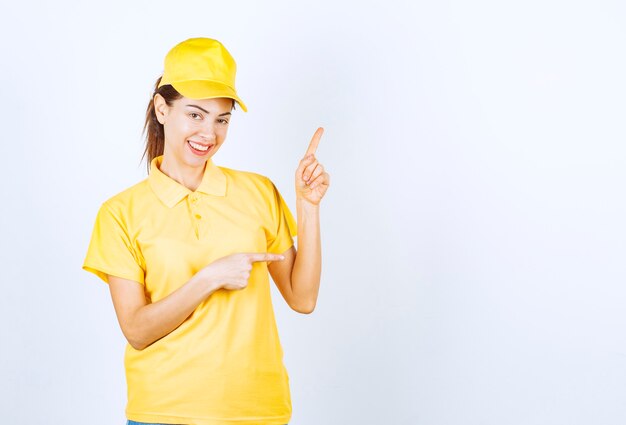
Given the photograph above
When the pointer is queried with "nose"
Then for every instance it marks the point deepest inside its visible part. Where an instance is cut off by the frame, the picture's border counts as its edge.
(207, 139)
(207, 133)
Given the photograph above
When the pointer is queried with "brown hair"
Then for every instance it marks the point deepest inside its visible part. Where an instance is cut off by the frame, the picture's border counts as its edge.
(155, 137)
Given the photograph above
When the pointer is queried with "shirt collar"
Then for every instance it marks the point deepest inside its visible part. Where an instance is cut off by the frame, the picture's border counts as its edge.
(170, 192)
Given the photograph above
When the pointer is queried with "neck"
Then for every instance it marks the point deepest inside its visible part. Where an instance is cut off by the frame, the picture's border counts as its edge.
(185, 174)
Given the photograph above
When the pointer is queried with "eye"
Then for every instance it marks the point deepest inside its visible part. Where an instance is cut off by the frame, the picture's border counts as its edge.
(194, 113)
(223, 121)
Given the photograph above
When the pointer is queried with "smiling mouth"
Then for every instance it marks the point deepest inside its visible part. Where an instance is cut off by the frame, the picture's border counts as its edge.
(199, 147)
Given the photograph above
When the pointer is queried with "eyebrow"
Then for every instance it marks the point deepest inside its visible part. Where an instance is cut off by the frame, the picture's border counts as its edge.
(204, 110)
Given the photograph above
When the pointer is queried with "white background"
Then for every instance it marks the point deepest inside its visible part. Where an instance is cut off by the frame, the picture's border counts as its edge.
(473, 234)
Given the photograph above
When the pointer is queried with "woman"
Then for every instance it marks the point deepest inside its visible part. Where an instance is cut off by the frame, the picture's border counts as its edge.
(186, 253)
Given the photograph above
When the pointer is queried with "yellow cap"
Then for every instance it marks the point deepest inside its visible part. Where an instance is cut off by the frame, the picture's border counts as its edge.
(201, 68)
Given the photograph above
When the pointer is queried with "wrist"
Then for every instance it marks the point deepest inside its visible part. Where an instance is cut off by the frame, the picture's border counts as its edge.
(206, 281)
(303, 203)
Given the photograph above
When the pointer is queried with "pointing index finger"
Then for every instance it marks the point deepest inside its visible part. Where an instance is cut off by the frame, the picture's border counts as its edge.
(264, 256)
(314, 141)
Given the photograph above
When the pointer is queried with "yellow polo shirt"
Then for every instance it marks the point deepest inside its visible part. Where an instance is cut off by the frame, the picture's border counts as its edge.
(224, 364)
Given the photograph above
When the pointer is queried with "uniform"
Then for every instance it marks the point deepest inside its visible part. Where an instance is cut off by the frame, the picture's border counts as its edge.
(224, 363)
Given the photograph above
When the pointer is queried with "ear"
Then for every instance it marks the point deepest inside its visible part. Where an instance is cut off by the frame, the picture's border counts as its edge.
(160, 108)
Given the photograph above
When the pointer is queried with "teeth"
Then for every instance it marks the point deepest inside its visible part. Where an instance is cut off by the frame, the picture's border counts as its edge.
(199, 147)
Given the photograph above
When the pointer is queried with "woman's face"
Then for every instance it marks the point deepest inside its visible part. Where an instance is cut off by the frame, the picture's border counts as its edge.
(194, 128)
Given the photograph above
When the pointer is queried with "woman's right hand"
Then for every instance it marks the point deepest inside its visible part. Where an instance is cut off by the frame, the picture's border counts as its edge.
(233, 271)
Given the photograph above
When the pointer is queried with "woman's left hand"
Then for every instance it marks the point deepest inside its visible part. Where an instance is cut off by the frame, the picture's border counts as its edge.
(311, 179)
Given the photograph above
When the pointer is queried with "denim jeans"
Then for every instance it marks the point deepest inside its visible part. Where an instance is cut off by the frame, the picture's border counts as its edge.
(129, 422)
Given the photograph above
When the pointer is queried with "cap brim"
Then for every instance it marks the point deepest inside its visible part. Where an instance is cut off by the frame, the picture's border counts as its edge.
(206, 89)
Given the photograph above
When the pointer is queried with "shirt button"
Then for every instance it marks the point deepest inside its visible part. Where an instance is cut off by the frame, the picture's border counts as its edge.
(198, 216)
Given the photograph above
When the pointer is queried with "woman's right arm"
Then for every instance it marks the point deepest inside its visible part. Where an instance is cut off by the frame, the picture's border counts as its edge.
(143, 322)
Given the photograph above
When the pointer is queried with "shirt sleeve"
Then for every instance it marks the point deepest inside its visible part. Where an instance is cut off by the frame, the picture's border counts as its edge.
(284, 227)
(110, 249)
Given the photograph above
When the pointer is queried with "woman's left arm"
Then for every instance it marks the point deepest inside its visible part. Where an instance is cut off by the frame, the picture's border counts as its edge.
(299, 279)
